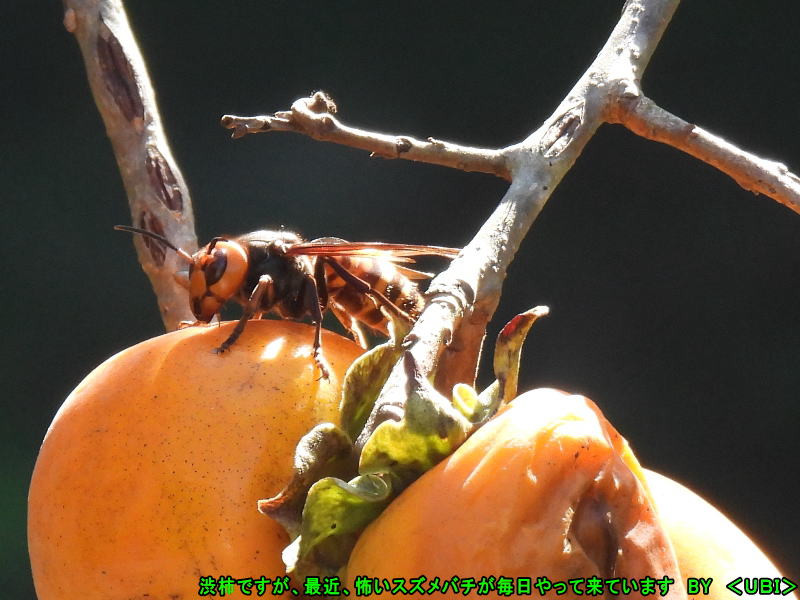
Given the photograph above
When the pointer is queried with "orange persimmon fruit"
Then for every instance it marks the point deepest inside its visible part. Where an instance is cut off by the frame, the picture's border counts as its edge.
(707, 543)
(546, 488)
(549, 488)
(149, 475)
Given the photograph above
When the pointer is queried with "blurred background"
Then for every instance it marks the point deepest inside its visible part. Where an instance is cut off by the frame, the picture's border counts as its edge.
(674, 293)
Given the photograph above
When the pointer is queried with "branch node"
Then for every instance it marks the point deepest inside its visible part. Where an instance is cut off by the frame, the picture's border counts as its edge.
(562, 130)
(163, 180)
(239, 132)
(70, 20)
(628, 90)
(403, 145)
(321, 102)
(326, 124)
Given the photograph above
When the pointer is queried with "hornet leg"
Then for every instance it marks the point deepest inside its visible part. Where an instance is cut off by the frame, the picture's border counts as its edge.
(311, 302)
(249, 310)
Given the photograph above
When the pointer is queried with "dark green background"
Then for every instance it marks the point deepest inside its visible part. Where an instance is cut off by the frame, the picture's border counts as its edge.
(674, 293)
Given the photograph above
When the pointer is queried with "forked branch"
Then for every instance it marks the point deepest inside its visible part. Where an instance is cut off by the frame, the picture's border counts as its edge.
(446, 339)
(463, 298)
(315, 117)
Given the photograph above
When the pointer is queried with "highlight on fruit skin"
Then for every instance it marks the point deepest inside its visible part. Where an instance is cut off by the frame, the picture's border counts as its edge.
(149, 475)
(707, 543)
(547, 487)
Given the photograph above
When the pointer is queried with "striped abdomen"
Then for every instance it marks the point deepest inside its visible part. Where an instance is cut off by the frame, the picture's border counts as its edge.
(382, 277)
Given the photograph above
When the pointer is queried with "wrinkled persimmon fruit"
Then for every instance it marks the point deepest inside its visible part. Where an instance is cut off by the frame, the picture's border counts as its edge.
(547, 487)
(149, 475)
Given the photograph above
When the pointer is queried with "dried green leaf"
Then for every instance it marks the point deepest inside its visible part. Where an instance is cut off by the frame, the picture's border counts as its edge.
(398, 451)
(472, 405)
(363, 383)
(335, 513)
(508, 351)
(431, 428)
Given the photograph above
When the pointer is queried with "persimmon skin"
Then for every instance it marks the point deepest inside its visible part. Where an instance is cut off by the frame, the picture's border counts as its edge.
(149, 475)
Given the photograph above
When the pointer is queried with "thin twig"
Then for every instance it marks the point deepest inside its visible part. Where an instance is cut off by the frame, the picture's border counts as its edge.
(314, 117)
(157, 195)
(642, 116)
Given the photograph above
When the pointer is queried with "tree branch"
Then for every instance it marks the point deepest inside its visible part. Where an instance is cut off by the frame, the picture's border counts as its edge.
(314, 117)
(157, 194)
(642, 116)
(464, 297)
